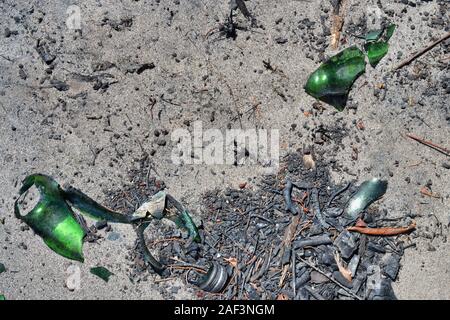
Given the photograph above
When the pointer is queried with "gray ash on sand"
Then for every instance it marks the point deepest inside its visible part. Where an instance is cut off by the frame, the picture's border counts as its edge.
(268, 252)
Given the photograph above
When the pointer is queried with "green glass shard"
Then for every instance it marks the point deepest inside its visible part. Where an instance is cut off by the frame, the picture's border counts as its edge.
(182, 218)
(374, 35)
(102, 273)
(2, 268)
(52, 219)
(389, 31)
(157, 210)
(186, 222)
(368, 192)
(2, 297)
(376, 51)
(332, 81)
(148, 257)
(91, 208)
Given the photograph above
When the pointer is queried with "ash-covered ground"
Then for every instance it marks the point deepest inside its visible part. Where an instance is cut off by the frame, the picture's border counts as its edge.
(87, 106)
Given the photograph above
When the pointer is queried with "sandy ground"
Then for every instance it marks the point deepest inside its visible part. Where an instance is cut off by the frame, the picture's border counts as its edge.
(93, 133)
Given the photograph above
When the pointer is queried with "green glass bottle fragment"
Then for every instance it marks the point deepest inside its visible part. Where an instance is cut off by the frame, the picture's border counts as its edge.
(182, 219)
(157, 266)
(332, 81)
(2, 297)
(185, 221)
(91, 208)
(55, 222)
(368, 192)
(374, 35)
(2, 268)
(102, 273)
(375, 49)
(52, 219)
(156, 208)
(390, 31)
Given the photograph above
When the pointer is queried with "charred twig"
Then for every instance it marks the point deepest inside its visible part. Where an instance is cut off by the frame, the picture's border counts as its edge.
(264, 267)
(283, 275)
(286, 249)
(242, 7)
(312, 242)
(287, 193)
(421, 52)
(227, 28)
(157, 266)
(392, 245)
(289, 233)
(230, 90)
(6, 58)
(253, 111)
(169, 101)
(240, 4)
(268, 65)
(334, 195)
(315, 295)
(329, 277)
(316, 208)
(303, 277)
(95, 153)
(152, 104)
(246, 278)
(254, 215)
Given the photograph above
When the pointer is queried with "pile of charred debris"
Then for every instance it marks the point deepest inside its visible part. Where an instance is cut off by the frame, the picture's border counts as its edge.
(295, 235)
